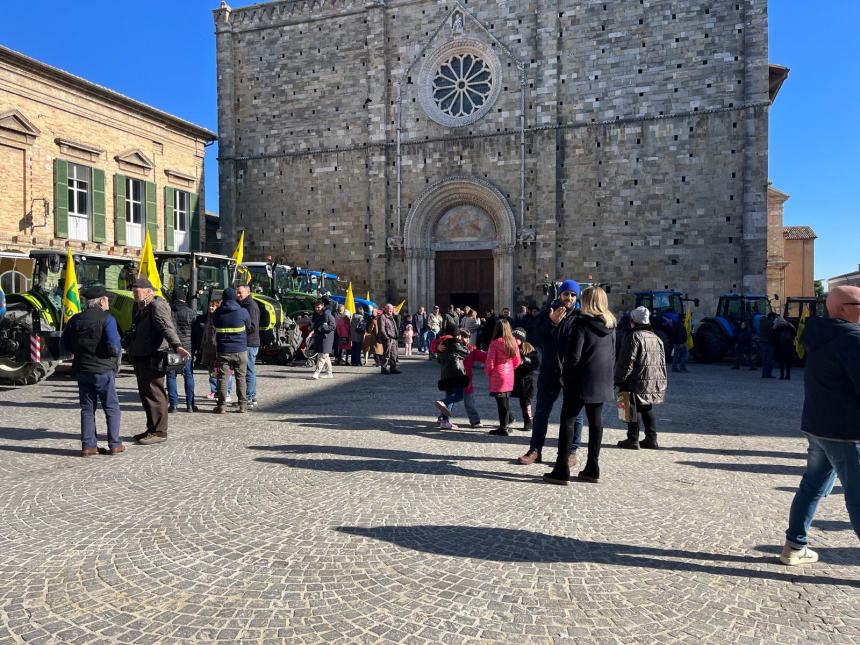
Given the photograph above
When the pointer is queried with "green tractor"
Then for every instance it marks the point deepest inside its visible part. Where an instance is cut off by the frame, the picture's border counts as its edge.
(205, 276)
(280, 281)
(30, 331)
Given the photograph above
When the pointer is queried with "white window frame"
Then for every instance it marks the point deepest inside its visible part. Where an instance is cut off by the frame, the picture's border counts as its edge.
(180, 213)
(79, 181)
(131, 202)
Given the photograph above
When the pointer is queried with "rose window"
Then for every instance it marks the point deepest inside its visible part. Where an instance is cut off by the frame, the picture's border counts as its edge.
(462, 85)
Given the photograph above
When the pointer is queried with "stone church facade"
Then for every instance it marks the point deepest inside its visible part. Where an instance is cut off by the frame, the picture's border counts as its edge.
(456, 152)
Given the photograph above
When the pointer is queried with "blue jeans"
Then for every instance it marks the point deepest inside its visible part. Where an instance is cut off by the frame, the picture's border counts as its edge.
(824, 461)
(427, 338)
(679, 357)
(356, 353)
(471, 410)
(94, 389)
(548, 390)
(251, 379)
(213, 383)
(188, 382)
(452, 396)
(766, 353)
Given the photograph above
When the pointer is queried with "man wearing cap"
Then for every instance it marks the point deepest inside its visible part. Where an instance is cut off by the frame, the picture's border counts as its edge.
(153, 333)
(231, 323)
(183, 320)
(552, 332)
(92, 336)
(830, 419)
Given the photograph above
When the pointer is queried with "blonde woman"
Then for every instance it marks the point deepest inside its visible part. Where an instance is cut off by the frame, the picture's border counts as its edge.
(587, 381)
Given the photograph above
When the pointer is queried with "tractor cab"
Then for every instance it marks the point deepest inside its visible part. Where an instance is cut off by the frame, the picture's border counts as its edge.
(204, 275)
(795, 307)
(733, 308)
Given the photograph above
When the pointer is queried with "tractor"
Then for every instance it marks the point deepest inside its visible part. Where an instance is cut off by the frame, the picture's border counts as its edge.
(30, 332)
(667, 308)
(795, 306)
(319, 282)
(715, 336)
(278, 281)
(205, 276)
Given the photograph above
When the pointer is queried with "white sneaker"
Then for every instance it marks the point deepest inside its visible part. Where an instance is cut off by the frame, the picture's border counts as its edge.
(327, 375)
(229, 399)
(443, 409)
(315, 376)
(447, 425)
(793, 557)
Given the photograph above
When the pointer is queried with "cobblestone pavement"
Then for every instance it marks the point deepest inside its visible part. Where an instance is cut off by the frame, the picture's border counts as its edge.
(337, 512)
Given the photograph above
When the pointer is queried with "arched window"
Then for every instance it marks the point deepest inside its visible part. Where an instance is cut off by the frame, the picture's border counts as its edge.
(14, 282)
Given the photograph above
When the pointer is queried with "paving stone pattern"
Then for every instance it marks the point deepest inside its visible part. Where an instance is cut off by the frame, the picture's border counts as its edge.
(337, 512)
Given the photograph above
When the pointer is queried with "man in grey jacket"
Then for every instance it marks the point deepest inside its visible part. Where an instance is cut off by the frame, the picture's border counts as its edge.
(153, 333)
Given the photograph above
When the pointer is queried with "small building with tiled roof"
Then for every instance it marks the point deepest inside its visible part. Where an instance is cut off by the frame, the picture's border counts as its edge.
(799, 249)
(798, 233)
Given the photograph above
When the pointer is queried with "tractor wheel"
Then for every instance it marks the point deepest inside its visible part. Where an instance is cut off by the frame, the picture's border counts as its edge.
(14, 373)
(711, 343)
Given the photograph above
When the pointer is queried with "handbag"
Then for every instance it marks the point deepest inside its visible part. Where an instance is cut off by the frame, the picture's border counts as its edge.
(626, 407)
(168, 361)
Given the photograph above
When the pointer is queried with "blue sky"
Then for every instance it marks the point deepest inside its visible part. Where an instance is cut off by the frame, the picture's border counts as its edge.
(162, 52)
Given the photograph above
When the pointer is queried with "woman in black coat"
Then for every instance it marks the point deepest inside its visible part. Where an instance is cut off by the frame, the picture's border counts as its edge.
(783, 351)
(323, 325)
(587, 374)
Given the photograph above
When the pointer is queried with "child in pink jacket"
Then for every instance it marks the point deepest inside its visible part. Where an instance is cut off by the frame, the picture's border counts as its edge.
(503, 357)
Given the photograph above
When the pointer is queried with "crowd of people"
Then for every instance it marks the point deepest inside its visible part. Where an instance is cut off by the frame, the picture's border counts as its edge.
(575, 346)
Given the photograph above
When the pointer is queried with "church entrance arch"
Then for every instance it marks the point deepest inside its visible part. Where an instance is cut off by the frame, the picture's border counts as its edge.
(459, 242)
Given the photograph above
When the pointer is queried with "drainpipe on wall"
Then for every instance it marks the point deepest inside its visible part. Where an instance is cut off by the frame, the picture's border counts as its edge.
(522, 145)
(397, 153)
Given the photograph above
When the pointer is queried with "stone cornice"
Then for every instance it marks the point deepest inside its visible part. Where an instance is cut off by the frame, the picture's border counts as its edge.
(78, 149)
(15, 122)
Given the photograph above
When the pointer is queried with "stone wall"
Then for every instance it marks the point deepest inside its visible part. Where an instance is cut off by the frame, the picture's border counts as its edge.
(645, 137)
(46, 114)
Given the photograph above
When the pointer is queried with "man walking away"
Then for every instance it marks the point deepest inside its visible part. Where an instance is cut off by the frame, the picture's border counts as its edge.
(231, 339)
(679, 346)
(250, 305)
(389, 336)
(183, 319)
(830, 419)
(92, 336)
(153, 333)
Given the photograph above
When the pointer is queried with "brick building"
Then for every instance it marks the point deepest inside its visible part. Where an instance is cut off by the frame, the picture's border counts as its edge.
(800, 256)
(83, 165)
(452, 152)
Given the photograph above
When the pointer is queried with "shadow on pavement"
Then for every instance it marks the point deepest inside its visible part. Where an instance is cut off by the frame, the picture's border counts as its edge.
(383, 460)
(517, 545)
(760, 469)
(739, 452)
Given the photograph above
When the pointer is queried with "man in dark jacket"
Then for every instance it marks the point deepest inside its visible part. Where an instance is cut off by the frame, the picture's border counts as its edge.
(231, 324)
(451, 321)
(678, 339)
(153, 333)
(389, 336)
(765, 344)
(419, 325)
(183, 320)
(830, 419)
(92, 336)
(552, 330)
(250, 305)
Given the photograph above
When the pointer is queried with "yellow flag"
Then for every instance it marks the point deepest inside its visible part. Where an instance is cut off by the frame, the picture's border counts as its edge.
(71, 297)
(399, 307)
(367, 297)
(148, 268)
(239, 253)
(801, 324)
(688, 325)
(349, 301)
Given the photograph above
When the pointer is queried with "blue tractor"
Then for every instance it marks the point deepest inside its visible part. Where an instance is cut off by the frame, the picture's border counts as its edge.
(667, 308)
(716, 337)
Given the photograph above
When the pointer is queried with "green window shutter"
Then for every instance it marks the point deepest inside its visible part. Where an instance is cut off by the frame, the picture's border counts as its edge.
(61, 198)
(151, 214)
(194, 213)
(119, 209)
(168, 218)
(99, 232)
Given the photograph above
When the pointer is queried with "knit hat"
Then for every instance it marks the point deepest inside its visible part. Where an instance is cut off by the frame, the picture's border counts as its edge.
(228, 294)
(640, 315)
(142, 283)
(520, 333)
(570, 285)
